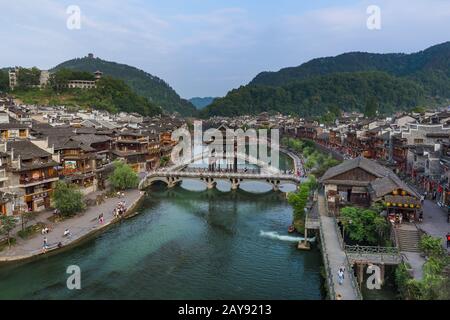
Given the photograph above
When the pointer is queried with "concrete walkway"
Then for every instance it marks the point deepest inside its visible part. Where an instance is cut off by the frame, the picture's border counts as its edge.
(416, 261)
(336, 256)
(80, 226)
(435, 221)
(298, 167)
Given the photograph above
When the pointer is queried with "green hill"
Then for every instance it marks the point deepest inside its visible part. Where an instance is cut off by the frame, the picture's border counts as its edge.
(316, 95)
(110, 94)
(422, 77)
(201, 103)
(419, 66)
(144, 84)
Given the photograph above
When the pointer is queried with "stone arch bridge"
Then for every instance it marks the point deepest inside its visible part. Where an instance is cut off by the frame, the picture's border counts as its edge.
(173, 178)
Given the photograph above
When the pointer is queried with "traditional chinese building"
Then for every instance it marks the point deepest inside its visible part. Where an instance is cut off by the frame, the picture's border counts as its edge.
(31, 174)
(362, 182)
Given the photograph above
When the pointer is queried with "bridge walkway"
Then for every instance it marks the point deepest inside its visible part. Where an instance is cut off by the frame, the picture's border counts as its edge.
(335, 257)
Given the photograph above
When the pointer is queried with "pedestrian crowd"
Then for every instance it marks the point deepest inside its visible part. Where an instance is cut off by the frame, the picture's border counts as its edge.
(120, 209)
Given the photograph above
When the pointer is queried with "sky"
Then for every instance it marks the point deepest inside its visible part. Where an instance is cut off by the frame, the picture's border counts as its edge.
(208, 47)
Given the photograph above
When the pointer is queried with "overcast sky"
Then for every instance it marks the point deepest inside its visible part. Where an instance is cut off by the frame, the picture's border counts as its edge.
(207, 47)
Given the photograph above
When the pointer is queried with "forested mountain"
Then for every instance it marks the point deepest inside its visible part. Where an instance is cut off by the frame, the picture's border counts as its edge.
(153, 88)
(396, 81)
(415, 65)
(315, 96)
(201, 103)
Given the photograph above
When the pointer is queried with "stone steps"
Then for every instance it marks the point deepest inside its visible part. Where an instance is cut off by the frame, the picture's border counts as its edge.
(408, 240)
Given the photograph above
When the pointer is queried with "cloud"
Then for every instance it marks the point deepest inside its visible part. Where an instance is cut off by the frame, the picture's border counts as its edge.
(224, 28)
(207, 48)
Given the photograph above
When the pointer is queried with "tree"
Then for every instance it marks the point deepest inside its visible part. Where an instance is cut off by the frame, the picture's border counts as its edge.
(7, 224)
(25, 216)
(431, 246)
(163, 161)
(298, 201)
(4, 81)
(28, 77)
(371, 108)
(123, 177)
(435, 282)
(68, 199)
(364, 225)
(419, 109)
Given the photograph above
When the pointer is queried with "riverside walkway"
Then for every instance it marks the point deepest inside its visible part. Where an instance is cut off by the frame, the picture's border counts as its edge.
(335, 257)
(80, 226)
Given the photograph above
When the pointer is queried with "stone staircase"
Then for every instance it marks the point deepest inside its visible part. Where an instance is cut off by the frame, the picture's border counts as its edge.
(408, 238)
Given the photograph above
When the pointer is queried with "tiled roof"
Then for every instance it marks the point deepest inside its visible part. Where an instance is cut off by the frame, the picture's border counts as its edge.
(360, 162)
(26, 150)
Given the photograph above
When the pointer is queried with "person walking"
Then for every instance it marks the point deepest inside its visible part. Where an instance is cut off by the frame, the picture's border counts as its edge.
(45, 246)
(341, 276)
(448, 240)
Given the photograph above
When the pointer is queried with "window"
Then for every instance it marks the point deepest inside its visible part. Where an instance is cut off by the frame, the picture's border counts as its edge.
(418, 141)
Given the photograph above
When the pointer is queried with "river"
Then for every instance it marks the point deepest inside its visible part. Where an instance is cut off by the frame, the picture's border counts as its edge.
(185, 243)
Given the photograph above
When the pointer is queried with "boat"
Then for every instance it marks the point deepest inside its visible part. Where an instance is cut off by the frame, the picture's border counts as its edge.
(291, 229)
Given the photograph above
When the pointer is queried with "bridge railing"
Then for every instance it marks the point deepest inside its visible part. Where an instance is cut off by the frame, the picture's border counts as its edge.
(328, 271)
(348, 265)
(382, 252)
(223, 175)
(205, 170)
(355, 286)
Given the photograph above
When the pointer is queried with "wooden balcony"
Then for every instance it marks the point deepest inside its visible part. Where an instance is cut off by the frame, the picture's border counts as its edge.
(30, 180)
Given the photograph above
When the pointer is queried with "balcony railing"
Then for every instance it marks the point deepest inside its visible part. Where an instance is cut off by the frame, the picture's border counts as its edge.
(67, 172)
(28, 180)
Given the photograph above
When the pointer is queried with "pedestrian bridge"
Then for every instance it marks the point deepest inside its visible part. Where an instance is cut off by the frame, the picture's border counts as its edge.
(173, 178)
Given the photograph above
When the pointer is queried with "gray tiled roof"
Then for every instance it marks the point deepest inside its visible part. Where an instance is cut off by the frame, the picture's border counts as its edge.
(360, 162)
(26, 150)
(383, 186)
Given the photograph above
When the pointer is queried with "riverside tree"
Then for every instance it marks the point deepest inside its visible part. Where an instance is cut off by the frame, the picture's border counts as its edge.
(365, 226)
(7, 224)
(299, 200)
(123, 177)
(68, 199)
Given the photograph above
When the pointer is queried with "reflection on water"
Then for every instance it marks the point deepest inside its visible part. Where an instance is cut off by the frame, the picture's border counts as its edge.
(183, 245)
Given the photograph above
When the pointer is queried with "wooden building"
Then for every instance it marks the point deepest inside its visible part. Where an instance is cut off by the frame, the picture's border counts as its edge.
(362, 182)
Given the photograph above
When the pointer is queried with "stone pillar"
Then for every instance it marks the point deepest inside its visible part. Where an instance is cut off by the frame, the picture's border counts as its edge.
(360, 268)
(172, 182)
(275, 185)
(234, 184)
(210, 183)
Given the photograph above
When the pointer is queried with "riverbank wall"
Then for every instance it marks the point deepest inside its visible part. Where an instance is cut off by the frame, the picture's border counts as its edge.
(73, 242)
